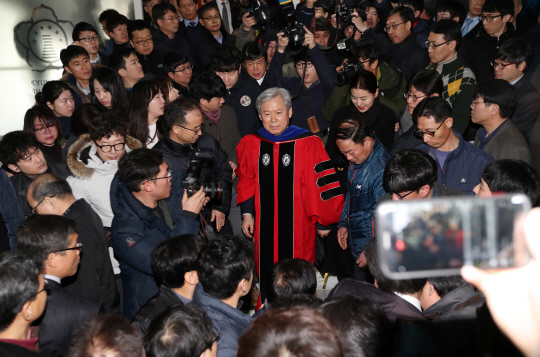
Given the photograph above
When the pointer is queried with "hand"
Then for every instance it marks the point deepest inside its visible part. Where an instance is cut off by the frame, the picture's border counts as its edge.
(323, 233)
(342, 235)
(357, 35)
(219, 217)
(194, 203)
(309, 40)
(282, 43)
(362, 261)
(396, 128)
(334, 22)
(233, 166)
(248, 21)
(358, 23)
(247, 225)
(512, 295)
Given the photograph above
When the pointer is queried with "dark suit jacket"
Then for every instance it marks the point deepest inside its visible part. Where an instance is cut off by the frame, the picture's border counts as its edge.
(394, 306)
(95, 276)
(159, 303)
(193, 35)
(208, 44)
(64, 313)
(527, 109)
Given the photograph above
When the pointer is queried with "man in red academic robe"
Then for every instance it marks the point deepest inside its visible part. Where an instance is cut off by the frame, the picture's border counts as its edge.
(287, 187)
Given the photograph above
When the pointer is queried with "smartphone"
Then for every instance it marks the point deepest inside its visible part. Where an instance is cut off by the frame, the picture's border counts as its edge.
(436, 237)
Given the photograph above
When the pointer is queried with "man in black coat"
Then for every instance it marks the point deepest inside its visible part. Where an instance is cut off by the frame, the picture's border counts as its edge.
(20, 154)
(173, 264)
(190, 28)
(242, 89)
(213, 36)
(54, 240)
(406, 54)
(166, 37)
(49, 194)
(140, 38)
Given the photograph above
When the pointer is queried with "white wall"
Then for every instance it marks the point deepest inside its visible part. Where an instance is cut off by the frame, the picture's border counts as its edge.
(26, 65)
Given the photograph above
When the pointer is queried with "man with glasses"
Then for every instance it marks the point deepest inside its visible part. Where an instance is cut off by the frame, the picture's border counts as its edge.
(23, 298)
(213, 35)
(85, 35)
(480, 51)
(141, 40)
(166, 37)
(179, 69)
(412, 175)
(459, 163)
(494, 102)
(405, 54)
(150, 206)
(21, 156)
(511, 63)
(54, 241)
(458, 80)
(185, 120)
(51, 195)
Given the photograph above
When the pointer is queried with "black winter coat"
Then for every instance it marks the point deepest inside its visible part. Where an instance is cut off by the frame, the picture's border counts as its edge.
(408, 56)
(241, 98)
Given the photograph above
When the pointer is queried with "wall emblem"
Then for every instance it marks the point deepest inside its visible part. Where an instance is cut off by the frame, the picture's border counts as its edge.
(42, 38)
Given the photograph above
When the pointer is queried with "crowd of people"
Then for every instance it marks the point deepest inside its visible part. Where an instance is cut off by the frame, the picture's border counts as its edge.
(211, 159)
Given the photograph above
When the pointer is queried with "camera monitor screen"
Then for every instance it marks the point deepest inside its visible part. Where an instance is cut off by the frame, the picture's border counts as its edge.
(438, 236)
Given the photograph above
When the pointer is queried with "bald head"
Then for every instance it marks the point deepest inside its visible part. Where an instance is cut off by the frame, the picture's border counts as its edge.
(49, 194)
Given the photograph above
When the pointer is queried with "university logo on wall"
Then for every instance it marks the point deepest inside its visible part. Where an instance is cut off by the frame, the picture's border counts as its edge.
(43, 37)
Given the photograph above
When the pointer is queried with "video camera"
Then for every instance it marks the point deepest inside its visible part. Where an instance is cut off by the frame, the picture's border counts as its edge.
(258, 10)
(200, 158)
(296, 35)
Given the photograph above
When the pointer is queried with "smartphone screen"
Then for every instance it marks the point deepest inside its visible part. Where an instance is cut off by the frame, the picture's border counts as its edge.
(436, 237)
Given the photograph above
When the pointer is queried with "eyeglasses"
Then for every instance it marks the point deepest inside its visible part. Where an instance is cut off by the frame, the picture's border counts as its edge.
(402, 197)
(431, 134)
(46, 288)
(432, 45)
(393, 27)
(195, 130)
(77, 247)
(188, 69)
(174, 18)
(43, 129)
(90, 39)
(489, 18)
(301, 65)
(108, 148)
(169, 176)
(499, 65)
(34, 210)
(210, 18)
(413, 97)
(473, 104)
(144, 42)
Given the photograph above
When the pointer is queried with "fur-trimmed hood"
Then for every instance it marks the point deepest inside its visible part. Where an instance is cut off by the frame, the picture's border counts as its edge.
(82, 159)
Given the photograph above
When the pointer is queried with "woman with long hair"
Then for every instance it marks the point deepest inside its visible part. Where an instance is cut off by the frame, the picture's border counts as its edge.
(147, 105)
(57, 96)
(108, 93)
(41, 122)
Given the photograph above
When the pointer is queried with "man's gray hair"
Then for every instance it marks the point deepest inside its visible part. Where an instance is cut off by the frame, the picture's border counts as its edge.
(270, 94)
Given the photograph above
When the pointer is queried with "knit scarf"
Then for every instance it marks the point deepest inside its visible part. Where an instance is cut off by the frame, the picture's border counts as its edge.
(213, 116)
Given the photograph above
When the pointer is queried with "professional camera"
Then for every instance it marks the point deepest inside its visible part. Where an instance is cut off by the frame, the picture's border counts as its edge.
(349, 69)
(192, 181)
(344, 14)
(296, 35)
(258, 10)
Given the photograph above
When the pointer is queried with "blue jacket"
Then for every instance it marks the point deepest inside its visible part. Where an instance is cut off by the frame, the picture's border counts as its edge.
(231, 323)
(365, 184)
(136, 232)
(463, 167)
(9, 211)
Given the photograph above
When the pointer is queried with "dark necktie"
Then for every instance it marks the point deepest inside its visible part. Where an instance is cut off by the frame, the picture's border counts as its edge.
(192, 24)
(225, 16)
